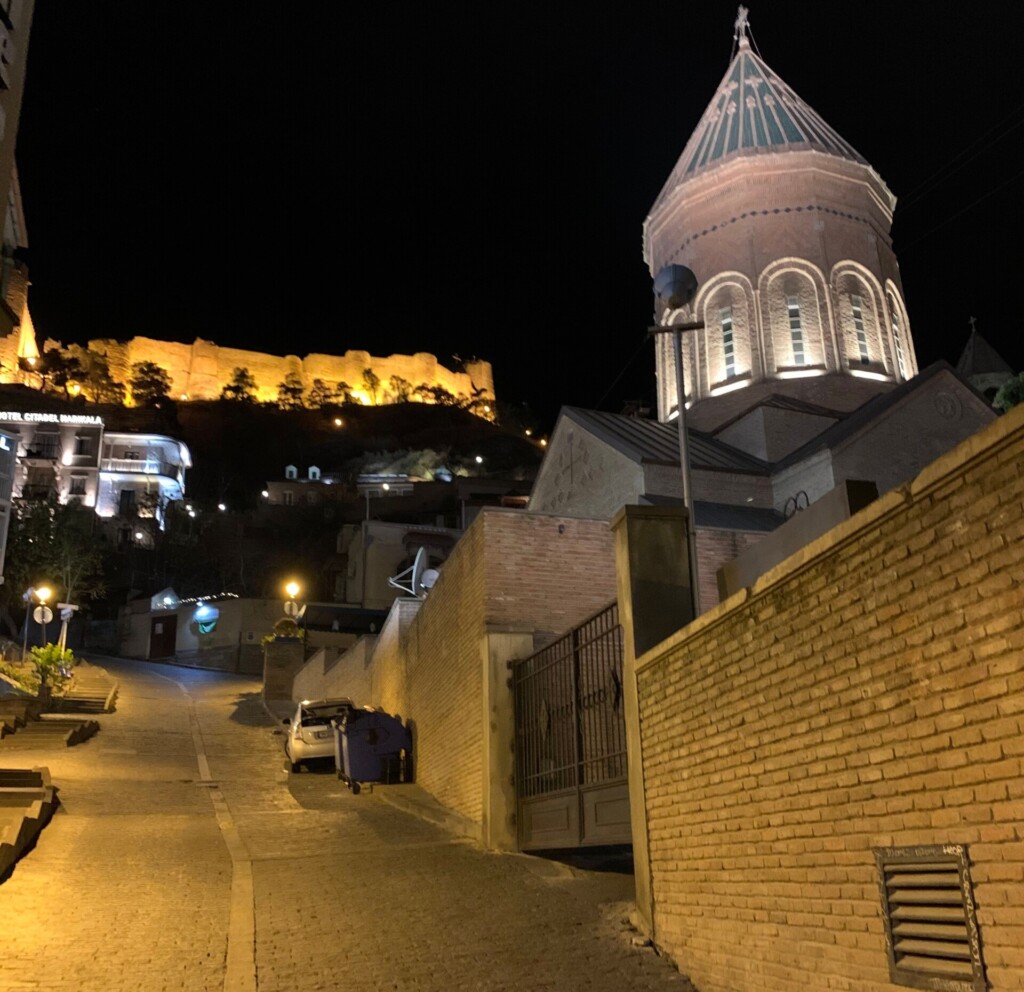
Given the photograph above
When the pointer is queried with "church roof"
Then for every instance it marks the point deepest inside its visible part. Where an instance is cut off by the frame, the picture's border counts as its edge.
(979, 358)
(752, 112)
(658, 443)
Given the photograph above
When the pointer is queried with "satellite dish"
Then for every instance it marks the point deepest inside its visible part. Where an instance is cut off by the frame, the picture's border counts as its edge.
(428, 579)
(410, 581)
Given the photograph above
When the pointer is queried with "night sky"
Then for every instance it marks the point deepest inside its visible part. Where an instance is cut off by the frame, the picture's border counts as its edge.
(472, 179)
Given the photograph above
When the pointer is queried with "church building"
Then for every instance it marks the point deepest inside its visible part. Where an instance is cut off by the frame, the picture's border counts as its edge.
(803, 377)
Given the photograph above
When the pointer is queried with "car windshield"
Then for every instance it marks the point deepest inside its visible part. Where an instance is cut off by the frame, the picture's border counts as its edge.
(322, 715)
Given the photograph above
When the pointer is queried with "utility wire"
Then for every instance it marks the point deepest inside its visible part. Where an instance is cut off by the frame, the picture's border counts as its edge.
(962, 210)
(955, 165)
(622, 372)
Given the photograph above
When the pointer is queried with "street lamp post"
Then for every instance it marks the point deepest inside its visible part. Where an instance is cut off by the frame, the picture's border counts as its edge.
(43, 613)
(675, 287)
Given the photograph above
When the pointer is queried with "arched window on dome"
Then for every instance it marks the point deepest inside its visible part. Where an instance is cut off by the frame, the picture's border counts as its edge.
(897, 336)
(857, 311)
(796, 330)
(795, 341)
(725, 344)
(858, 301)
(728, 344)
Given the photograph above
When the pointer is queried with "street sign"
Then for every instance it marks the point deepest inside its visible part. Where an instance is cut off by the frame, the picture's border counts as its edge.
(291, 608)
(42, 614)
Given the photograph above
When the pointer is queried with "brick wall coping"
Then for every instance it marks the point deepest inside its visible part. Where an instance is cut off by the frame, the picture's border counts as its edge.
(982, 445)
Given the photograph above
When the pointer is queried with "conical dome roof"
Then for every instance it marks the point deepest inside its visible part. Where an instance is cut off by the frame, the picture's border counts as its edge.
(752, 112)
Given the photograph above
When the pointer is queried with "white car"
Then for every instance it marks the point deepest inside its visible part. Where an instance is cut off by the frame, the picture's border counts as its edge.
(310, 734)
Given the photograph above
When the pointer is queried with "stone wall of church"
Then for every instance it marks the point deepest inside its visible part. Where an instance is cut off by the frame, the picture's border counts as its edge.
(199, 371)
(865, 694)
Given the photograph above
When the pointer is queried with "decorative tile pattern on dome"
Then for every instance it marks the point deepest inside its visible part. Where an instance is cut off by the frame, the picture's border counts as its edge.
(754, 111)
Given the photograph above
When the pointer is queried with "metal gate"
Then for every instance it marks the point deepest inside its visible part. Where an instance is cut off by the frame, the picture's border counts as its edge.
(571, 786)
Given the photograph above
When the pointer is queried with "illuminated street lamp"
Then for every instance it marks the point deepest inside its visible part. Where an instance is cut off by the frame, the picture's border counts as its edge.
(42, 613)
(291, 608)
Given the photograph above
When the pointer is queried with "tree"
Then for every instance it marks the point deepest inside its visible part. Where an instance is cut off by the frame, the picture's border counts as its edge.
(371, 381)
(241, 388)
(401, 389)
(437, 394)
(290, 392)
(55, 542)
(148, 384)
(99, 385)
(321, 394)
(57, 371)
(344, 392)
(1010, 394)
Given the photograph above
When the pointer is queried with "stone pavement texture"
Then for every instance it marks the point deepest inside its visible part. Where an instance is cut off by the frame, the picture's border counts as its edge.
(185, 857)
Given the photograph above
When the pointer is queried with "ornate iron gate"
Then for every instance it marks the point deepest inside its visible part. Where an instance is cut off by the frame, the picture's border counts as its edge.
(571, 783)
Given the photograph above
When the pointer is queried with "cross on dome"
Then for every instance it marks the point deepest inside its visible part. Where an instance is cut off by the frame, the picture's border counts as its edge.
(742, 27)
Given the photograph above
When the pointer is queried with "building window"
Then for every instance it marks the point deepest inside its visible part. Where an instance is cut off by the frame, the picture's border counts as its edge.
(77, 486)
(796, 331)
(931, 930)
(858, 325)
(288, 497)
(728, 346)
(897, 339)
(126, 503)
(44, 445)
(83, 444)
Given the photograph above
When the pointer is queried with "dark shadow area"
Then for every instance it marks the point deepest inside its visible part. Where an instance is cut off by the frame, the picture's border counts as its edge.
(616, 858)
(249, 711)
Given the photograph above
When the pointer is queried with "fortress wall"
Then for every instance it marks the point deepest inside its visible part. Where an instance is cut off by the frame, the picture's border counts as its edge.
(201, 370)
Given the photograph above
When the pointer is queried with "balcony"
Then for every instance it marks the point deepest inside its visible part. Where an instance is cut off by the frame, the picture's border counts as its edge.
(138, 466)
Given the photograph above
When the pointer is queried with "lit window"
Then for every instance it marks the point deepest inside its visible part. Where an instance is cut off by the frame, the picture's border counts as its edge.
(796, 332)
(896, 339)
(858, 326)
(728, 347)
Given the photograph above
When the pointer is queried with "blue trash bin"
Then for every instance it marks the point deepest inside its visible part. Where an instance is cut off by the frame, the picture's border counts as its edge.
(370, 746)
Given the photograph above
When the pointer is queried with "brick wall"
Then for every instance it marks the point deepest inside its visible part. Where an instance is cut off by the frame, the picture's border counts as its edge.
(868, 692)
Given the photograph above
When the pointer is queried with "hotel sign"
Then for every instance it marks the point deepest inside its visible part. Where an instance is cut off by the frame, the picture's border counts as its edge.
(76, 419)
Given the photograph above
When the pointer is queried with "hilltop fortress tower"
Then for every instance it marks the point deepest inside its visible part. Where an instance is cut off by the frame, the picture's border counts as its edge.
(787, 228)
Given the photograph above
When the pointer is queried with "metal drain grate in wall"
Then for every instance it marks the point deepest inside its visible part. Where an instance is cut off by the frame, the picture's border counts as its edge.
(930, 928)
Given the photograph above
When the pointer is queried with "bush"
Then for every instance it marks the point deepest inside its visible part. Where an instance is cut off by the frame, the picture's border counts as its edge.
(53, 665)
(21, 675)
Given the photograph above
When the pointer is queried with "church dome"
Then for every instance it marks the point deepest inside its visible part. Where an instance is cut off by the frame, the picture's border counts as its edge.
(787, 229)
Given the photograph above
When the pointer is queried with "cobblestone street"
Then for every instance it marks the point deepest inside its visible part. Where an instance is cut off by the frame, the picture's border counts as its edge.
(185, 857)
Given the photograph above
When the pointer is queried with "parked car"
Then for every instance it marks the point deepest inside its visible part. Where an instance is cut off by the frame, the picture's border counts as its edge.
(309, 734)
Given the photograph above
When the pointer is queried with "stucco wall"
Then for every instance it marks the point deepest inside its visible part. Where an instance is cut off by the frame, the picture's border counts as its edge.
(866, 693)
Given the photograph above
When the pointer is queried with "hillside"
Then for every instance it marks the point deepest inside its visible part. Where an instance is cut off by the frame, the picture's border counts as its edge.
(237, 447)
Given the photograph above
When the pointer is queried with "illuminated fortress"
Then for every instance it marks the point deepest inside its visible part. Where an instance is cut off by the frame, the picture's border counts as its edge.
(201, 370)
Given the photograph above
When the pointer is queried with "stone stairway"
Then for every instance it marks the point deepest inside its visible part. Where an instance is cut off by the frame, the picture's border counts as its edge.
(49, 731)
(27, 801)
(91, 690)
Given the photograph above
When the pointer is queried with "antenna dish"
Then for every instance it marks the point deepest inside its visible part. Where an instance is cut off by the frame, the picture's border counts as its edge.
(417, 578)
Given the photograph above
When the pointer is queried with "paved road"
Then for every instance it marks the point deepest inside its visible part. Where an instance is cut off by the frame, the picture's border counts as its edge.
(185, 857)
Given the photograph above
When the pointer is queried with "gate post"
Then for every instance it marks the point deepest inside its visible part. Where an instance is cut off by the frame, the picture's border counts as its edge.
(655, 600)
(500, 645)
